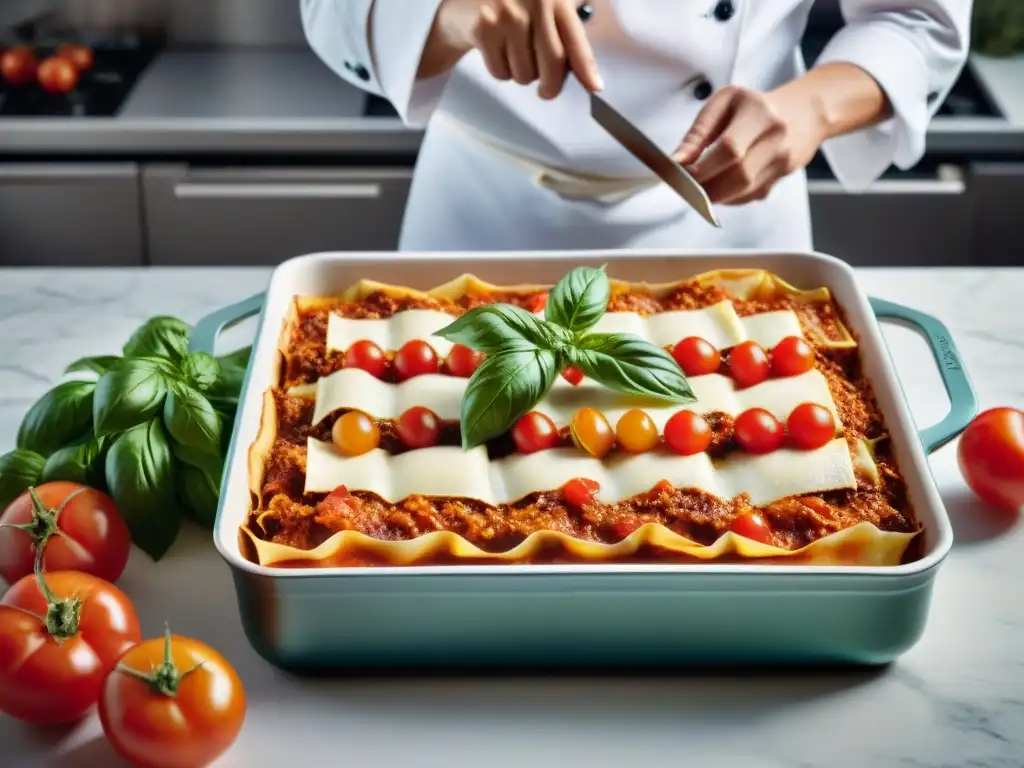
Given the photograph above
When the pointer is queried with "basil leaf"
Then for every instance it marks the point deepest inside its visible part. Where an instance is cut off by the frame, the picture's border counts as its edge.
(81, 463)
(59, 417)
(495, 328)
(626, 363)
(200, 370)
(225, 391)
(502, 390)
(140, 477)
(18, 470)
(161, 337)
(238, 359)
(212, 463)
(191, 420)
(579, 299)
(200, 492)
(99, 365)
(129, 394)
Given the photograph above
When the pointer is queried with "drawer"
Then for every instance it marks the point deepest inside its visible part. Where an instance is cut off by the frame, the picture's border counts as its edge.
(998, 189)
(263, 216)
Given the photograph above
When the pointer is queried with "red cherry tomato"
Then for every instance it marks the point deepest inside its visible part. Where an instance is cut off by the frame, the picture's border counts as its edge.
(534, 432)
(580, 491)
(572, 374)
(751, 525)
(757, 431)
(696, 356)
(419, 427)
(748, 364)
(19, 65)
(367, 356)
(80, 56)
(811, 426)
(79, 529)
(792, 356)
(57, 75)
(463, 361)
(415, 358)
(687, 433)
(53, 656)
(991, 457)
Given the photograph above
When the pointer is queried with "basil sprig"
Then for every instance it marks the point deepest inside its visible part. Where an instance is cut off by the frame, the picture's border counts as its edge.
(525, 354)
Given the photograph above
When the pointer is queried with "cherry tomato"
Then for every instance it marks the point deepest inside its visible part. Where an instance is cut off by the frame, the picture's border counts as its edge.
(80, 56)
(991, 457)
(580, 491)
(757, 431)
(534, 432)
(57, 75)
(572, 374)
(415, 358)
(636, 431)
(748, 364)
(536, 302)
(355, 433)
(463, 361)
(751, 525)
(687, 433)
(696, 356)
(591, 432)
(19, 65)
(78, 528)
(419, 427)
(368, 356)
(172, 703)
(811, 426)
(59, 636)
(792, 356)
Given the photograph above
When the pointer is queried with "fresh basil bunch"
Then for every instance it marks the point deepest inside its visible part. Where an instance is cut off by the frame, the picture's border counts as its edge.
(150, 428)
(525, 354)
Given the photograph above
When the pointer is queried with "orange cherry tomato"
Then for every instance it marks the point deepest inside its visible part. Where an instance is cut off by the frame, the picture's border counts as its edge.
(792, 356)
(748, 364)
(591, 432)
(991, 457)
(636, 431)
(172, 703)
(751, 525)
(463, 361)
(811, 426)
(19, 65)
(580, 491)
(696, 356)
(534, 432)
(572, 374)
(355, 433)
(367, 356)
(81, 56)
(57, 75)
(415, 358)
(757, 431)
(419, 427)
(687, 433)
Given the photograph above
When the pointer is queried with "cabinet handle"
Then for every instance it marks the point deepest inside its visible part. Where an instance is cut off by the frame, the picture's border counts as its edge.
(278, 191)
(949, 180)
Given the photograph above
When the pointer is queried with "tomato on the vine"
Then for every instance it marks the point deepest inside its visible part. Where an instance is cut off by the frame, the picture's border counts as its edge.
(57, 75)
(172, 702)
(696, 356)
(811, 426)
(748, 364)
(81, 56)
(792, 356)
(757, 431)
(750, 525)
(463, 361)
(534, 432)
(415, 358)
(18, 65)
(366, 355)
(991, 457)
(77, 527)
(419, 427)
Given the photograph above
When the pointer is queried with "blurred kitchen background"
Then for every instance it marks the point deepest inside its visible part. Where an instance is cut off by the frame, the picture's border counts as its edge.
(205, 132)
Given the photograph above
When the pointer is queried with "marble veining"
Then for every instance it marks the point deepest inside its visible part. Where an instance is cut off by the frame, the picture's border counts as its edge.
(955, 700)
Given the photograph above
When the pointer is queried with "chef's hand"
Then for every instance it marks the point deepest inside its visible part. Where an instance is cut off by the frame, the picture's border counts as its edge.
(743, 141)
(522, 40)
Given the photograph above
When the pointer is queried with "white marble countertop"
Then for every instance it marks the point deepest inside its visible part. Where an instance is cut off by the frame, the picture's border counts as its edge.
(954, 700)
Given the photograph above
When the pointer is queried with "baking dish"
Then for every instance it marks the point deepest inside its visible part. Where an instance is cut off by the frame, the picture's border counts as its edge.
(588, 615)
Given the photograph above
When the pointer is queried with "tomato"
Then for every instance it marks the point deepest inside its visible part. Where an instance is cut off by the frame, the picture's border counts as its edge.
(80, 56)
(751, 525)
(368, 356)
(463, 361)
(580, 491)
(536, 302)
(419, 427)
(991, 457)
(687, 433)
(415, 358)
(624, 528)
(59, 636)
(572, 374)
(792, 356)
(757, 431)
(636, 431)
(534, 432)
(172, 703)
(355, 433)
(77, 527)
(591, 432)
(748, 364)
(19, 65)
(57, 75)
(696, 356)
(811, 426)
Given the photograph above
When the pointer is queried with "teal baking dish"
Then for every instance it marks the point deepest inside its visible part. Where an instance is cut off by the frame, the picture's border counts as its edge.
(562, 616)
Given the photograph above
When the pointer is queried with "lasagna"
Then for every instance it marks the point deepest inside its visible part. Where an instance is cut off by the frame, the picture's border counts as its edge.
(724, 418)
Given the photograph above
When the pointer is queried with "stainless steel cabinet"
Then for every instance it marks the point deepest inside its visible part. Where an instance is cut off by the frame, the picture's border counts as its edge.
(73, 214)
(998, 235)
(239, 216)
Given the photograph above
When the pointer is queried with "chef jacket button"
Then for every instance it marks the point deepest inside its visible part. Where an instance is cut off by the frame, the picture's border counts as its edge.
(702, 90)
(933, 97)
(585, 11)
(725, 10)
(358, 70)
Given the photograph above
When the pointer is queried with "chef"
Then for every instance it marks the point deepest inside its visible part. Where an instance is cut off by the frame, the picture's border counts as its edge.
(512, 160)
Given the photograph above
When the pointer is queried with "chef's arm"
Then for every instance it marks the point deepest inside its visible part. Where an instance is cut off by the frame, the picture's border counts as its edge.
(913, 51)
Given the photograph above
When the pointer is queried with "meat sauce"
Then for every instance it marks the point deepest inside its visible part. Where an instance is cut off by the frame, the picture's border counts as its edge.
(304, 521)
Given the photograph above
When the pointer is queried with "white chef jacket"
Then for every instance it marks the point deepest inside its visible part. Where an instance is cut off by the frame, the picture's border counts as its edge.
(660, 60)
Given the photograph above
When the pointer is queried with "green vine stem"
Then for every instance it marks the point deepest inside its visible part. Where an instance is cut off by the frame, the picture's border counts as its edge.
(44, 520)
(165, 680)
(63, 615)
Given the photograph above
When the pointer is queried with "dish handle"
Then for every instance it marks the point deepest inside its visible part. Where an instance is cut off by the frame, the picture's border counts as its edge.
(204, 336)
(962, 398)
